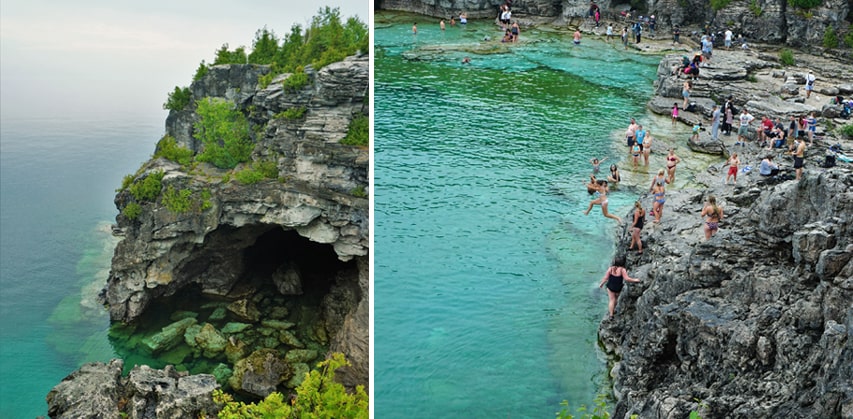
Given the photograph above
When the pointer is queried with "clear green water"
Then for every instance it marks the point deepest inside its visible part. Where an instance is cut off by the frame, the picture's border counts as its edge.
(486, 270)
(58, 177)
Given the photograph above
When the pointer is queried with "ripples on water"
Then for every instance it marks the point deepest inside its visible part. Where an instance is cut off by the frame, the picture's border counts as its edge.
(486, 269)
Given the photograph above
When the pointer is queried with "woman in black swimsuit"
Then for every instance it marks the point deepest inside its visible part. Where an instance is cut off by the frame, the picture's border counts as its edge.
(615, 278)
(639, 220)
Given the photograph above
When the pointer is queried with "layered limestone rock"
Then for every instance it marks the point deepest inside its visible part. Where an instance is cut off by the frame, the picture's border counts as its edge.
(773, 21)
(235, 238)
(99, 390)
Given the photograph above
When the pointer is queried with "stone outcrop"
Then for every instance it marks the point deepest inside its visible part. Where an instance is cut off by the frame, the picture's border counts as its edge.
(773, 21)
(305, 229)
(98, 390)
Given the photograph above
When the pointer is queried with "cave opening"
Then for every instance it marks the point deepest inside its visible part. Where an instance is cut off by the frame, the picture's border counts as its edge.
(247, 289)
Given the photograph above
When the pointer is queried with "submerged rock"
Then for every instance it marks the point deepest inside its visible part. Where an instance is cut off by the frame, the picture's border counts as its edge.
(260, 373)
(169, 336)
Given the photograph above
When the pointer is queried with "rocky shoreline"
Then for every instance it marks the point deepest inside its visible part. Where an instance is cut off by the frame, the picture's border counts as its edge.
(755, 322)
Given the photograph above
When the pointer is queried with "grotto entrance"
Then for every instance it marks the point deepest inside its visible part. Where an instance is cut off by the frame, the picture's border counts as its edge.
(248, 292)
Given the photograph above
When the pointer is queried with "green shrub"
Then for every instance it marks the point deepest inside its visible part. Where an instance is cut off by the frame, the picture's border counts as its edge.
(264, 47)
(147, 189)
(295, 81)
(358, 133)
(755, 8)
(132, 211)
(599, 410)
(786, 57)
(265, 80)
(805, 4)
(206, 203)
(359, 192)
(830, 38)
(268, 168)
(178, 99)
(223, 132)
(249, 176)
(319, 396)
(201, 71)
(291, 113)
(126, 181)
(848, 39)
(717, 5)
(169, 149)
(177, 200)
(846, 130)
(225, 56)
(751, 78)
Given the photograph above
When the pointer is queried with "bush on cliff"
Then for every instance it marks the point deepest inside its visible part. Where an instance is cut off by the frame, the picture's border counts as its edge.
(295, 81)
(830, 38)
(786, 57)
(178, 99)
(147, 189)
(319, 396)
(177, 200)
(358, 133)
(805, 4)
(223, 132)
(169, 149)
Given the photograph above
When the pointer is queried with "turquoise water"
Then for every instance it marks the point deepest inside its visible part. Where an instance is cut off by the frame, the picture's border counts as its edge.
(486, 270)
(58, 177)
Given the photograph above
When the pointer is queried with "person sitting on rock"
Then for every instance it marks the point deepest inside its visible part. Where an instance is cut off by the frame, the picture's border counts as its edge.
(768, 167)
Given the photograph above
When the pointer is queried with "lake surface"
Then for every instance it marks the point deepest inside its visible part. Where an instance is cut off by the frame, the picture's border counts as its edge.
(486, 270)
(58, 177)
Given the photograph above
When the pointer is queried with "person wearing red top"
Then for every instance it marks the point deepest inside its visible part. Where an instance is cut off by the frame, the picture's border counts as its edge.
(766, 129)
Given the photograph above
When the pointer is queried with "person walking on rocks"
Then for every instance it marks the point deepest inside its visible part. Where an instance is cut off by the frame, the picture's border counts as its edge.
(637, 226)
(713, 214)
(810, 79)
(685, 93)
(615, 278)
(799, 149)
(659, 192)
(733, 162)
(812, 127)
(715, 123)
(742, 132)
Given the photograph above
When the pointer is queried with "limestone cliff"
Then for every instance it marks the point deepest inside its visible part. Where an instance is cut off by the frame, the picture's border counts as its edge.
(772, 21)
(307, 227)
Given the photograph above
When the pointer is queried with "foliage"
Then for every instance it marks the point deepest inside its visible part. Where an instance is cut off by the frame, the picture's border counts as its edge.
(206, 204)
(265, 80)
(295, 81)
(169, 149)
(718, 5)
(177, 200)
(599, 410)
(132, 210)
(249, 176)
(126, 181)
(358, 133)
(359, 192)
(786, 57)
(848, 39)
(755, 8)
(223, 132)
(751, 78)
(148, 188)
(224, 56)
(201, 71)
(178, 99)
(319, 396)
(846, 130)
(291, 113)
(267, 168)
(326, 40)
(805, 4)
(830, 38)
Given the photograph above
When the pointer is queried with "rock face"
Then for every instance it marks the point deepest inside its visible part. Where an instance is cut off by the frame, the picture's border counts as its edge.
(236, 236)
(773, 21)
(97, 390)
(755, 322)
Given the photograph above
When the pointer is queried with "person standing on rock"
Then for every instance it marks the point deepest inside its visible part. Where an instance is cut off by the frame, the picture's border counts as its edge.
(799, 149)
(609, 31)
(707, 50)
(638, 31)
(713, 214)
(659, 192)
(812, 127)
(685, 93)
(742, 132)
(637, 226)
(810, 79)
(676, 35)
(675, 112)
(625, 37)
(728, 38)
(615, 278)
(733, 162)
(715, 123)
(671, 161)
(647, 148)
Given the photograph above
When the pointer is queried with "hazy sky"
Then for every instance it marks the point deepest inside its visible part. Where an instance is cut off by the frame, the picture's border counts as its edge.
(99, 56)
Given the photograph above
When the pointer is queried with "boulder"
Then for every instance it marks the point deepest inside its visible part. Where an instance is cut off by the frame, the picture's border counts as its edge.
(245, 310)
(210, 341)
(260, 373)
(94, 390)
(169, 336)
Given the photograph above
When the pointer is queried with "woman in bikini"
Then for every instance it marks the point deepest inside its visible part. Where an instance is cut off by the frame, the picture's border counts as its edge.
(635, 155)
(671, 161)
(615, 278)
(657, 207)
(637, 226)
(600, 198)
(614, 176)
(660, 179)
(713, 215)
